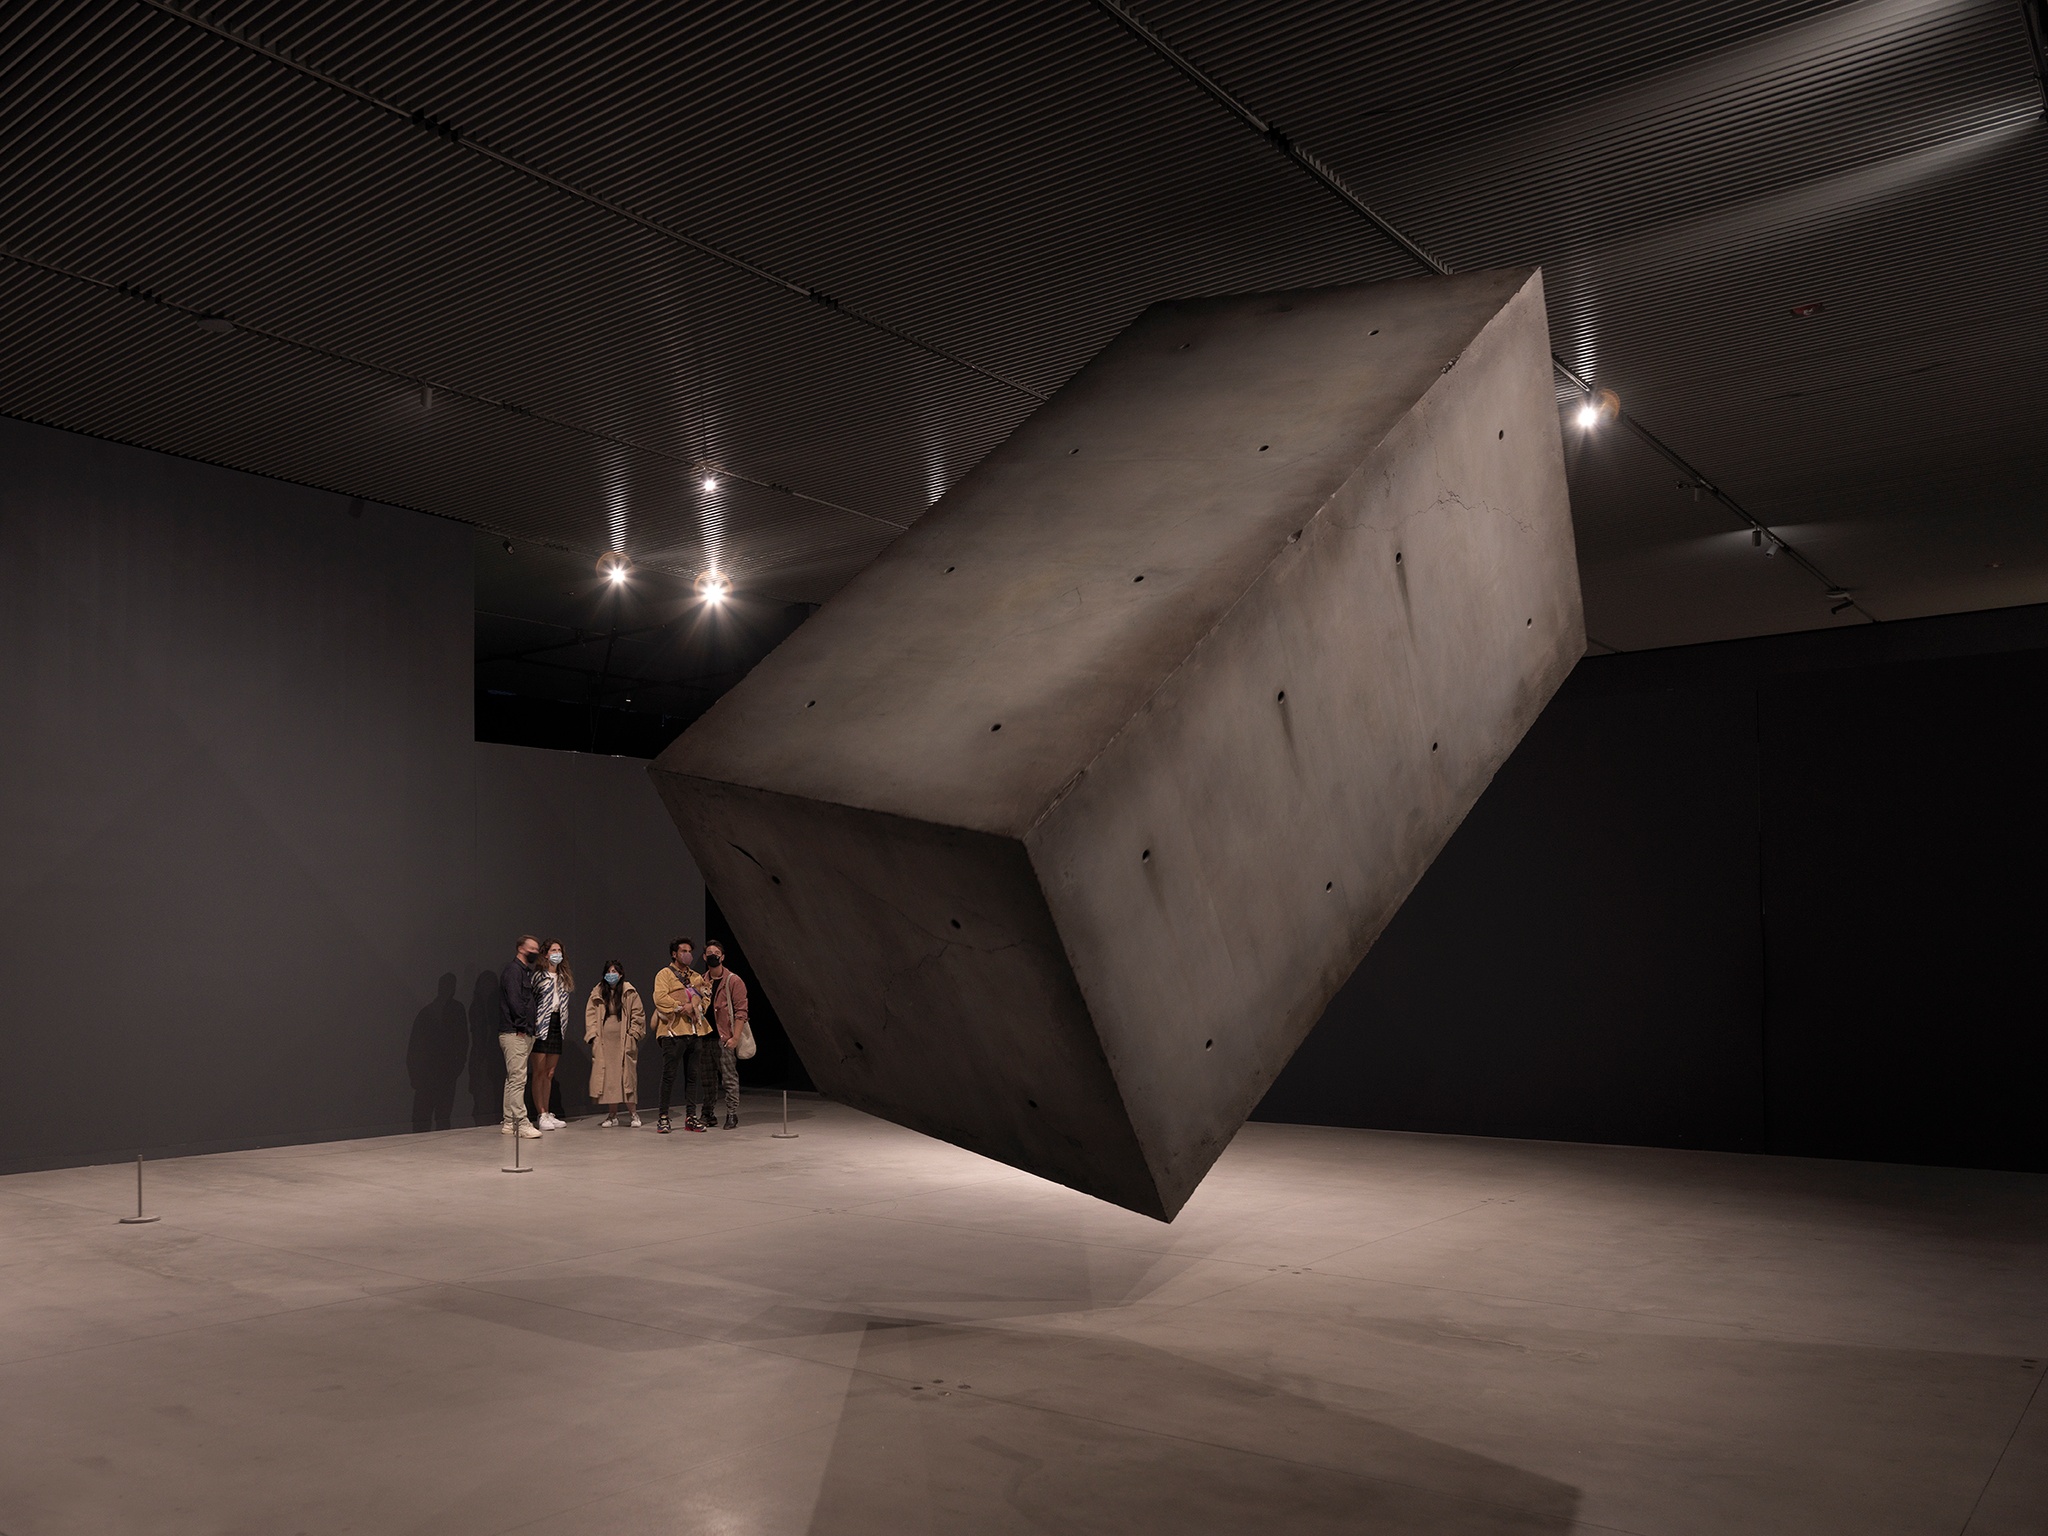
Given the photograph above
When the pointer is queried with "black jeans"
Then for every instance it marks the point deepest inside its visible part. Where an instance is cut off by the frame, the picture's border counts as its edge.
(700, 1071)
(673, 1048)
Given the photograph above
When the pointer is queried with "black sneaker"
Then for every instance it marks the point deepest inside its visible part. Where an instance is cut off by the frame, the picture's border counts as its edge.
(662, 1125)
(732, 1122)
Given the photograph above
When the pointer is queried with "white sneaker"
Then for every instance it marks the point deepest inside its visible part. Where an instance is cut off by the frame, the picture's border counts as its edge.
(505, 1127)
(553, 1122)
(635, 1121)
(608, 1120)
(526, 1129)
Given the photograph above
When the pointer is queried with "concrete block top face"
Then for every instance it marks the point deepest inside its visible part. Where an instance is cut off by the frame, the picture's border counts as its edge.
(990, 654)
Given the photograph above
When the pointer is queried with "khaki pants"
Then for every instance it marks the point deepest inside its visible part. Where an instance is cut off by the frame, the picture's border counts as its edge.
(516, 1048)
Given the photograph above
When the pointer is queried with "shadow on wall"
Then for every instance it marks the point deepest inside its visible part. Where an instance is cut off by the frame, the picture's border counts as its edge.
(435, 1054)
(486, 1060)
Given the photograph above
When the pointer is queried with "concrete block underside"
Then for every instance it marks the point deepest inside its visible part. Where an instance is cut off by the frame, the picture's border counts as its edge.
(1055, 831)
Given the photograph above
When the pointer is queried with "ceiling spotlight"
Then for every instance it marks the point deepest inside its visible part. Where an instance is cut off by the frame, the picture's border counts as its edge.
(711, 482)
(613, 566)
(1601, 405)
(714, 586)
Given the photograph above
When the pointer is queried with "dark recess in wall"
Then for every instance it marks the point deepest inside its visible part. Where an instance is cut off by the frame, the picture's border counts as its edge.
(1770, 895)
(519, 720)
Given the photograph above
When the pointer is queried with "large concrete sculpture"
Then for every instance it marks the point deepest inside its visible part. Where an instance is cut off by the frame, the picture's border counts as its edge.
(1054, 832)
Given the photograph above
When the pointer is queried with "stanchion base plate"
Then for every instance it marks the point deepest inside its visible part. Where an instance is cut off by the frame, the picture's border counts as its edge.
(784, 1135)
(138, 1221)
(528, 1168)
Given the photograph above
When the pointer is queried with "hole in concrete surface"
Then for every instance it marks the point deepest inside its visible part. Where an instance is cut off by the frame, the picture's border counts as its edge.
(1032, 1102)
(954, 921)
(1072, 451)
(1207, 1043)
(1329, 885)
(1502, 434)
(1294, 537)
(1374, 331)
(997, 726)
(1432, 746)
(1528, 623)
(1137, 578)
(812, 705)
(1145, 857)
(1280, 697)
(858, 1046)
(1397, 557)
(951, 569)
(1264, 446)
(775, 879)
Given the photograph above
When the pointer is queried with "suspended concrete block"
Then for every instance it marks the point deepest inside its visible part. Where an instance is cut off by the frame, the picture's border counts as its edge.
(1054, 832)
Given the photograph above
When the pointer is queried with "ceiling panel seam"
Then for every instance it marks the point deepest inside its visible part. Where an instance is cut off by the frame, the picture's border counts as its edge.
(412, 380)
(1314, 166)
(456, 136)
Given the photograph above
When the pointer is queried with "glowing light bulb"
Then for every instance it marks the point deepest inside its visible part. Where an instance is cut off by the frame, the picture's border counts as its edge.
(618, 575)
(711, 482)
(1589, 415)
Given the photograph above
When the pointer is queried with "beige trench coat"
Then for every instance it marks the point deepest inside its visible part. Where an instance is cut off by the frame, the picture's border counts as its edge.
(614, 1046)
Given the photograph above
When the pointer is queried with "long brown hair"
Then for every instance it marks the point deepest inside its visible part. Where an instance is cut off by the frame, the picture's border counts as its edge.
(564, 976)
(614, 997)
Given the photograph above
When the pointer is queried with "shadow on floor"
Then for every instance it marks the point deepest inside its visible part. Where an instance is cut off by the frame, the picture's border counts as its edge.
(964, 1429)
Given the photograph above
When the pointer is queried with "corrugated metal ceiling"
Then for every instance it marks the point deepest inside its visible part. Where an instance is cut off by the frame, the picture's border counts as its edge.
(577, 282)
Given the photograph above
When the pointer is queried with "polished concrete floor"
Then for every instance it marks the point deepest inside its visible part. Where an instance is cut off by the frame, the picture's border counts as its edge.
(864, 1331)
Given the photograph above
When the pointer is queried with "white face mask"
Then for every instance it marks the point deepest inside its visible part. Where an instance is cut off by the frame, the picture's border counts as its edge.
(554, 957)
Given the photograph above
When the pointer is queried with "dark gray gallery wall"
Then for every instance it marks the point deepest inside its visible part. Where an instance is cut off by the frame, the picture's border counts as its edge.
(249, 839)
(1775, 895)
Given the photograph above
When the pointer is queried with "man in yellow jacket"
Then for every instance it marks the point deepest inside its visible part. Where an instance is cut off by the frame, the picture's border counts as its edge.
(679, 1024)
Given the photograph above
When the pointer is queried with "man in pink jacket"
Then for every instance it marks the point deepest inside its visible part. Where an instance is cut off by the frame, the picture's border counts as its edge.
(729, 1013)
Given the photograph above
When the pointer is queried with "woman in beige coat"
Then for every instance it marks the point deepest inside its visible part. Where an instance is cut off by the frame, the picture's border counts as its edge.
(613, 1022)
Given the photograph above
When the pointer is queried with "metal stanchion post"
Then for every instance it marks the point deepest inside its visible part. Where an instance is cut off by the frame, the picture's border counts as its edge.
(785, 1134)
(138, 1219)
(516, 1167)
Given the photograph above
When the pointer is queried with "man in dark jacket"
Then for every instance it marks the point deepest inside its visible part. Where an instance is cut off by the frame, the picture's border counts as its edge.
(516, 1024)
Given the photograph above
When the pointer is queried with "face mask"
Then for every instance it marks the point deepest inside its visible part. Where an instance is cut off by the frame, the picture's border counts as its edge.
(714, 960)
(683, 964)
(611, 978)
(554, 957)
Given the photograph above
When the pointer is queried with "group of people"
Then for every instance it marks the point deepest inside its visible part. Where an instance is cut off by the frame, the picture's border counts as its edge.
(700, 1027)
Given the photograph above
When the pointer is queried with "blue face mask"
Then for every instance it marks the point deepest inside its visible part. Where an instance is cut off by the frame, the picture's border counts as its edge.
(611, 978)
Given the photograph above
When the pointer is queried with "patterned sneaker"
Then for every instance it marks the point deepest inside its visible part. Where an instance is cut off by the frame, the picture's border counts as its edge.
(662, 1125)
(694, 1124)
(608, 1120)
